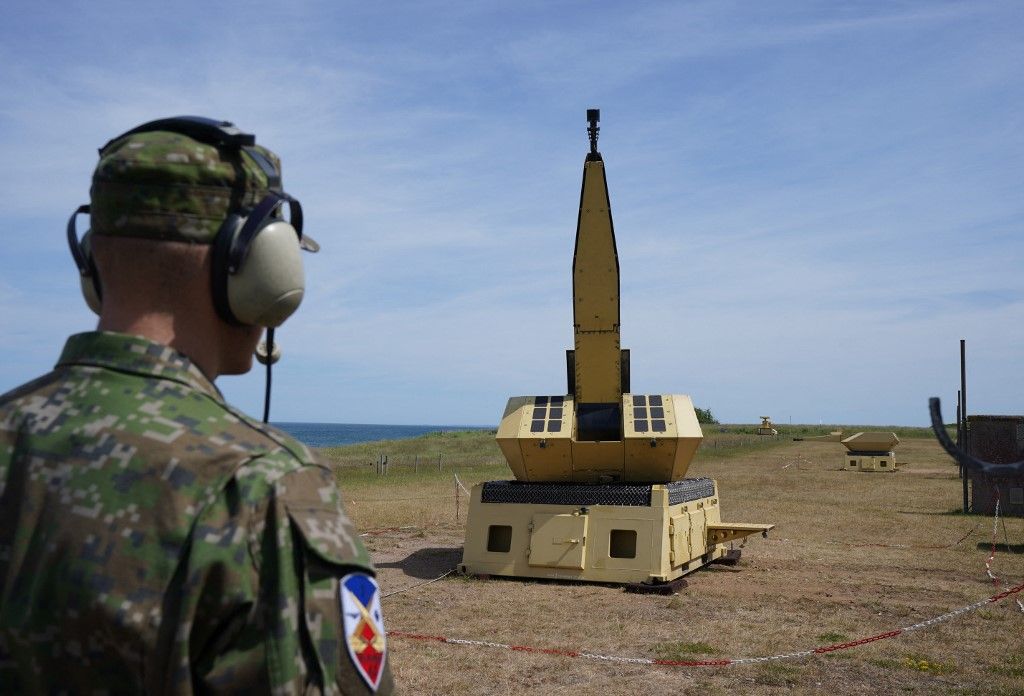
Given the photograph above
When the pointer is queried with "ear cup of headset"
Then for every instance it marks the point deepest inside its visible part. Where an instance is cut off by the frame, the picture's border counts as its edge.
(88, 278)
(269, 283)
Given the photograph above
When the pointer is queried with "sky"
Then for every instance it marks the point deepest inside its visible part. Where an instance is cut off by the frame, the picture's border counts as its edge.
(813, 201)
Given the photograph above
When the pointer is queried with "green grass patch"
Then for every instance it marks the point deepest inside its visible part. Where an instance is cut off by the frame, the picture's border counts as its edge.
(423, 451)
(425, 460)
(833, 637)
(726, 441)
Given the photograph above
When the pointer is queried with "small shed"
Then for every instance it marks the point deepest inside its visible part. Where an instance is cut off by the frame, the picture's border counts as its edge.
(1000, 440)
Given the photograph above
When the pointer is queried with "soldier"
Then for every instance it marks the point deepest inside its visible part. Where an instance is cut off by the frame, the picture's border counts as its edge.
(153, 538)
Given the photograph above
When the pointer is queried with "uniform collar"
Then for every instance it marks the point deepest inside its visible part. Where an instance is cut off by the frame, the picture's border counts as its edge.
(136, 355)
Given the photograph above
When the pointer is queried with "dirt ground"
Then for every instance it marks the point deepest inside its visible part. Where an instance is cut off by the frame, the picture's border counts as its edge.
(853, 555)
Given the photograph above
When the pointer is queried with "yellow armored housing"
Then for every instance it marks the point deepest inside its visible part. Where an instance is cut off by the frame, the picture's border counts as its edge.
(600, 492)
(540, 440)
(871, 451)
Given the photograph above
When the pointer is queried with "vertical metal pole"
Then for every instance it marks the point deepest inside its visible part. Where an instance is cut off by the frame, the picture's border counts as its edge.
(963, 394)
(965, 434)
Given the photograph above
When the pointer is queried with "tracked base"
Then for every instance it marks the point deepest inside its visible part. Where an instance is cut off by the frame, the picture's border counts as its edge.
(664, 588)
(635, 534)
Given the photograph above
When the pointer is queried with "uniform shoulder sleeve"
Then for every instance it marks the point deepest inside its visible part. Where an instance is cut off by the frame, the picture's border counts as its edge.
(330, 613)
(313, 504)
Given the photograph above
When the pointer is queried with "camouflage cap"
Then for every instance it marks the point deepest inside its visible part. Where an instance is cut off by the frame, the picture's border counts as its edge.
(168, 186)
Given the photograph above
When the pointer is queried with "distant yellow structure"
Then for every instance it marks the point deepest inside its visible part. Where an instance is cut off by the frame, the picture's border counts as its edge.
(600, 493)
(766, 427)
(871, 451)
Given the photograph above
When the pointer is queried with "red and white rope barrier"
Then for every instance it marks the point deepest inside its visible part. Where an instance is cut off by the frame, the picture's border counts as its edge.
(822, 650)
(992, 552)
(878, 545)
(459, 483)
(997, 582)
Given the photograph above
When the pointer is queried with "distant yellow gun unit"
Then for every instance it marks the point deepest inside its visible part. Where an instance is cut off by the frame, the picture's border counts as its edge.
(871, 451)
(600, 492)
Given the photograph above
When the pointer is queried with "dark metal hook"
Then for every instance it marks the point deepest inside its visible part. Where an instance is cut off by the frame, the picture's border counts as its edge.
(966, 460)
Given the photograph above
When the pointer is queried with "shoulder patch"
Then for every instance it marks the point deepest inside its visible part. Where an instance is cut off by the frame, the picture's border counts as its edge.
(363, 622)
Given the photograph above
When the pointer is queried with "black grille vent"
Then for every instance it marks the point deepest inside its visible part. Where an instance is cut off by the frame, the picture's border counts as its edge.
(566, 493)
(634, 494)
(690, 489)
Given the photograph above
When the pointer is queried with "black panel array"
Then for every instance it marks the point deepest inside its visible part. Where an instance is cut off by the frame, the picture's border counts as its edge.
(634, 494)
(648, 413)
(566, 493)
(547, 414)
(690, 489)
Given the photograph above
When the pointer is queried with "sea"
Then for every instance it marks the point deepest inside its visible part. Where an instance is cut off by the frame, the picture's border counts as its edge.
(334, 434)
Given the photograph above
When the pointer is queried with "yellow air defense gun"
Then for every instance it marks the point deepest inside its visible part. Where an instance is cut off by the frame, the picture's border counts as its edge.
(767, 428)
(600, 493)
(871, 451)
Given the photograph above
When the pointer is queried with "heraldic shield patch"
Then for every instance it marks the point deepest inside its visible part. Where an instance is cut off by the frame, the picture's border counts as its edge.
(364, 626)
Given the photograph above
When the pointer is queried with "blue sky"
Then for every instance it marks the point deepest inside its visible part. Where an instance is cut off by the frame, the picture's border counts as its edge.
(814, 201)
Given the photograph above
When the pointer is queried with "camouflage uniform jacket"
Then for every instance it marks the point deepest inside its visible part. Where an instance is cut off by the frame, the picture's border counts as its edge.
(155, 540)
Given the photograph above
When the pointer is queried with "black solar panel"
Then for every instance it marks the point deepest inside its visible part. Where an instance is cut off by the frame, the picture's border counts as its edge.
(547, 417)
(648, 419)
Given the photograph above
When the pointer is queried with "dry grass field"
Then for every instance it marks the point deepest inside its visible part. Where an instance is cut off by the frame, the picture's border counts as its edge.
(853, 555)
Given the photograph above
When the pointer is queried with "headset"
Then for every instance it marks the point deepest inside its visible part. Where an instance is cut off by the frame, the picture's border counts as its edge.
(257, 276)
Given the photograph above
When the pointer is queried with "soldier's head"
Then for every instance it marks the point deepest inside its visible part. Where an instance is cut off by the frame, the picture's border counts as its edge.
(187, 229)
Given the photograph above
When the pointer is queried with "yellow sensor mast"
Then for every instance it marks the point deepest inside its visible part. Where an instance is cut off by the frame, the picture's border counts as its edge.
(597, 379)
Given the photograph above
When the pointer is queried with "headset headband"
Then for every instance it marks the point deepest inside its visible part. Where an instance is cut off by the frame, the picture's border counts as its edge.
(211, 132)
(76, 249)
(218, 134)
